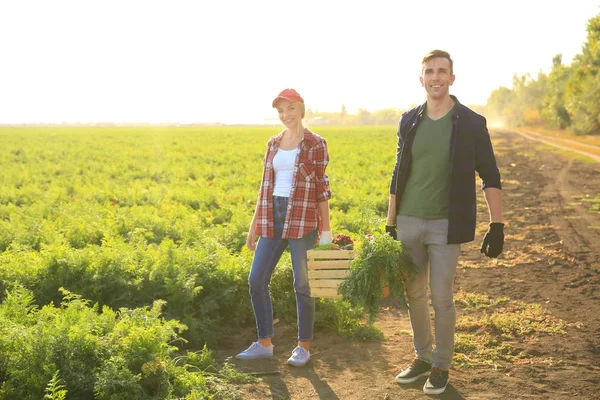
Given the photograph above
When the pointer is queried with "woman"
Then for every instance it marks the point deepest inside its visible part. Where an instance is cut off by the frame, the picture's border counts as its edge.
(292, 209)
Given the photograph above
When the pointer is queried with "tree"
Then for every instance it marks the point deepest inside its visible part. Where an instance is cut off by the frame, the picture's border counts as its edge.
(387, 116)
(499, 106)
(554, 112)
(364, 116)
(582, 93)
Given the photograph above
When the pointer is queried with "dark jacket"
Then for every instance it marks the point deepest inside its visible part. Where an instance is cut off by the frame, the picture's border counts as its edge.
(470, 151)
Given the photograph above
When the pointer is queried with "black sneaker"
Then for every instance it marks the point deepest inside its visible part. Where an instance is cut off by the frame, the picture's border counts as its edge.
(415, 370)
(437, 381)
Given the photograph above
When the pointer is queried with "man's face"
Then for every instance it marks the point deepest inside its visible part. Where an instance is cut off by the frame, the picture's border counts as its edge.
(437, 78)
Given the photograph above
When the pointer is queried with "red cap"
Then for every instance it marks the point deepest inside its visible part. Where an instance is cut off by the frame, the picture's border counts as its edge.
(290, 95)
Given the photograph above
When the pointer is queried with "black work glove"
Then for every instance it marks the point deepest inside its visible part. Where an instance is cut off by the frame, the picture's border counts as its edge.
(391, 230)
(493, 241)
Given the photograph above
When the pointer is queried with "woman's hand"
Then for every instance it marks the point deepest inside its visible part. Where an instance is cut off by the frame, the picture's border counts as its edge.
(325, 238)
(251, 238)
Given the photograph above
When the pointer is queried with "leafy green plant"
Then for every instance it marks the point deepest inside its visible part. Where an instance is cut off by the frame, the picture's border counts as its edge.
(489, 332)
(160, 213)
(345, 319)
(476, 301)
(55, 390)
(124, 217)
(101, 354)
(379, 261)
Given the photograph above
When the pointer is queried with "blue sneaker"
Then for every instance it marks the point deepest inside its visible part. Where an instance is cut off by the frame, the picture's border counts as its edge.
(300, 356)
(256, 350)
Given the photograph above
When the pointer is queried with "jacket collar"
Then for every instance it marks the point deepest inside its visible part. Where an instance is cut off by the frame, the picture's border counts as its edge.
(423, 107)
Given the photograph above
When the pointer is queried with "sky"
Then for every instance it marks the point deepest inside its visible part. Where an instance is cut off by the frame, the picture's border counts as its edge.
(177, 61)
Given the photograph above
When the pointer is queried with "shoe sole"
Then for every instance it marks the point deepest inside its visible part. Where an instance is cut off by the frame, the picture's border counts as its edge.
(253, 357)
(298, 364)
(413, 379)
(434, 391)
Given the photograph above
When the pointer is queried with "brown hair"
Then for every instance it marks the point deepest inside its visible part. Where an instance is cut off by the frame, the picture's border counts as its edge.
(438, 54)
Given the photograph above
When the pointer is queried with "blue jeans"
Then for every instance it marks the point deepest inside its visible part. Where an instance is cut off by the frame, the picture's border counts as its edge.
(268, 253)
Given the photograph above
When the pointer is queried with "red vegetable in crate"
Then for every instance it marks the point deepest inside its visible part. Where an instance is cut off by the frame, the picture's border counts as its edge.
(344, 241)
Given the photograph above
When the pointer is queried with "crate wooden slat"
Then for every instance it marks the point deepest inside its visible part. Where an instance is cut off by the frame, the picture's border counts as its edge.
(328, 274)
(326, 283)
(325, 292)
(327, 269)
(331, 254)
(330, 264)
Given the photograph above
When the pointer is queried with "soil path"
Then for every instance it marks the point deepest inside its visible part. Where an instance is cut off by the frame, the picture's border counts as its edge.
(550, 258)
(573, 144)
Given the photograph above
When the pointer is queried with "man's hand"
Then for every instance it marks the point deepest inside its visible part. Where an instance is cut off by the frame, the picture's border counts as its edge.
(391, 230)
(493, 241)
(325, 238)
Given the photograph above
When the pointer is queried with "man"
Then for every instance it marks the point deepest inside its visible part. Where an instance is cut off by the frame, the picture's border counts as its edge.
(432, 209)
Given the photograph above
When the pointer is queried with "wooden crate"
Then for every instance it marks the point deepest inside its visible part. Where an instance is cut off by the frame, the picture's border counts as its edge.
(327, 269)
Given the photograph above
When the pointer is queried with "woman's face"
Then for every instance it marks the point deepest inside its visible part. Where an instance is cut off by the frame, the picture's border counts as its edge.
(289, 113)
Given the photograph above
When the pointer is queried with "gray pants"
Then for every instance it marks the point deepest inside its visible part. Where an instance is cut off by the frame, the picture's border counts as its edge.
(425, 241)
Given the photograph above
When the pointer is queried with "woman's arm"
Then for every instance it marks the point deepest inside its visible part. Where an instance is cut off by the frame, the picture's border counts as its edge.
(323, 207)
(251, 237)
(323, 192)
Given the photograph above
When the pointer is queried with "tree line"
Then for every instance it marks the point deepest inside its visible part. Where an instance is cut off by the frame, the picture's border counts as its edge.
(566, 98)
(387, 116)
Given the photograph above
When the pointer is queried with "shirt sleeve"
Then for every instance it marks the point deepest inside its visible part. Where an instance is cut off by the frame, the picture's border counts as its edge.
(394, 181)
(485, 161)
(321, 179)
(265, 158)
(267, 150)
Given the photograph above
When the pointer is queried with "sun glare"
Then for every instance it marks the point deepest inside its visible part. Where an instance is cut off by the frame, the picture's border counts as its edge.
(199, 61)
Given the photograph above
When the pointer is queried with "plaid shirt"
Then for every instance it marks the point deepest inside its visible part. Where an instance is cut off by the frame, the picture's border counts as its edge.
(310, 185)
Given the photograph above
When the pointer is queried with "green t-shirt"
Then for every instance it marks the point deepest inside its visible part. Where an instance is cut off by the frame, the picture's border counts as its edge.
(426, 194)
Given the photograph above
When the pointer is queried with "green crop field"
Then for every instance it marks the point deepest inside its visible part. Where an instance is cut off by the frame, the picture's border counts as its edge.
(122, 257)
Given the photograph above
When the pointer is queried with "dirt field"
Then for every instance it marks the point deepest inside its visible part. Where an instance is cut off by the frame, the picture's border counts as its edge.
(550, 258)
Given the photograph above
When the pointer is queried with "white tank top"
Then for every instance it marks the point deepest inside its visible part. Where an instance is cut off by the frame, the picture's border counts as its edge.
(283, 164)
